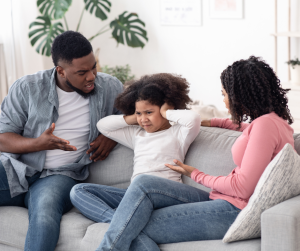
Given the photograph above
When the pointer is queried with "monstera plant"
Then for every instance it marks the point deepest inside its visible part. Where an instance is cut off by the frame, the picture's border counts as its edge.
(127, 28)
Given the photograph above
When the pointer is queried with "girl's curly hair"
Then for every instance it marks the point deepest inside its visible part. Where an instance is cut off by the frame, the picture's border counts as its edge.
(156, 89)
(254, 90)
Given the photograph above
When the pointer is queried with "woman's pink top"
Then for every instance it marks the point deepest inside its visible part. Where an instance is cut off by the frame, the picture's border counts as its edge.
(252, 152)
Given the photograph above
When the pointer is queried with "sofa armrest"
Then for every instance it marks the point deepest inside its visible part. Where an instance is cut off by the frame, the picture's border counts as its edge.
(280, 226)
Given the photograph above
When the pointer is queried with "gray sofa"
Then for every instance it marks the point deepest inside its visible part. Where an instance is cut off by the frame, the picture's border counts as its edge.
(211, 153)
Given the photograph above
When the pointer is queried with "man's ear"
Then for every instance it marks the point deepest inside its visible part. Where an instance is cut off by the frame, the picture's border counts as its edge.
(60, 71)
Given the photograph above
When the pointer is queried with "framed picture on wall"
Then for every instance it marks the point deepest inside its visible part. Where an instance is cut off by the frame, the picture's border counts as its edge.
(181, 12)
(226, 8)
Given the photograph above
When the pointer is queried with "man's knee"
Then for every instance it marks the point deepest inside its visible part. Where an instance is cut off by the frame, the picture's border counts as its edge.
(48, 219)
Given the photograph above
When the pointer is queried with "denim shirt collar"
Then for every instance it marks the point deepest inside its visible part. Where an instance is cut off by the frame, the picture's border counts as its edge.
(53, 97)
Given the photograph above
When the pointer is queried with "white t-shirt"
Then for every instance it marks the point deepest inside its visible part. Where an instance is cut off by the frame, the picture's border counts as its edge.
(73, 124)
(153, 150)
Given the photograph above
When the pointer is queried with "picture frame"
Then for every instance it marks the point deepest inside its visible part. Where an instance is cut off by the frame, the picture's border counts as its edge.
(181, 12)
(227, 9)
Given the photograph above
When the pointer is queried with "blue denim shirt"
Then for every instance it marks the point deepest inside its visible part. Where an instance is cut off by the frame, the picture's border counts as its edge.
(31, 106)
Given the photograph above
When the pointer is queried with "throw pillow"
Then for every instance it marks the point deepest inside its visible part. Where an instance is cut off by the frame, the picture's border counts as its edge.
(280, 181)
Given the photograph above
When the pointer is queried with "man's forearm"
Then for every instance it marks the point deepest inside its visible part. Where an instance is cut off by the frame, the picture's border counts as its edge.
(15, 143)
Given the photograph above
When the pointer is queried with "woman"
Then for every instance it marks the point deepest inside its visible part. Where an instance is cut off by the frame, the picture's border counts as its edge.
(155, 211)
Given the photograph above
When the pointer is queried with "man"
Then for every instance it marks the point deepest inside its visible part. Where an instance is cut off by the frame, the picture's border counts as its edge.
(48, 135)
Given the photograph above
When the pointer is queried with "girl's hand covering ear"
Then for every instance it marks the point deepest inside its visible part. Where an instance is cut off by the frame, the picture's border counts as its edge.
(164, 108)
(131, 119)
(181, 168)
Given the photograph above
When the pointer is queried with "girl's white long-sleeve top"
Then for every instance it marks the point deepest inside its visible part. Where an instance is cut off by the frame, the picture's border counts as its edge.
(153, 150)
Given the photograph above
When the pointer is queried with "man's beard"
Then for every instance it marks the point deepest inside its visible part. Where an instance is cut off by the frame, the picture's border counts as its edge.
(80, 92)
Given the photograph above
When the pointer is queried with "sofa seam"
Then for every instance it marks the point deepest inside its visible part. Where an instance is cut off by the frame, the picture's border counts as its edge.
(231, 136)
(10, 244)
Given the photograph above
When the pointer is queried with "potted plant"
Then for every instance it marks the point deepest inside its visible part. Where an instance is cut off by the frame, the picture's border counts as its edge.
(127, 28)
(295, 71)
(123, 73)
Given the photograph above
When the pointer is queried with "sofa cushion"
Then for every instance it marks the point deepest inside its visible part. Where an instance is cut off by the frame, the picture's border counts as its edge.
(215, 245)
(211, 153)
(78, 233)
(13, 226)
(279, 182)
(116, 170)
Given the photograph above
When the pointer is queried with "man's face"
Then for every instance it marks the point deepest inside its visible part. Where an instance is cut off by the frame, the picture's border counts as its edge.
(80, 75)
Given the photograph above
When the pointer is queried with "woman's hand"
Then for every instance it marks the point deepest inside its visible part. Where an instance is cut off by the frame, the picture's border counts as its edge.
(205, 123)
(181, 168)
(131, 119)
(164, 108)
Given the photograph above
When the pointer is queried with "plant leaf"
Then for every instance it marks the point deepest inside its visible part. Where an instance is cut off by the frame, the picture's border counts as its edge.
(127, 27)
(100, 6)
(44, 32)
(55, 9)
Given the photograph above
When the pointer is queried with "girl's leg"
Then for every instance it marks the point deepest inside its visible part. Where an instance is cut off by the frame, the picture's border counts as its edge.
(143, 243)
(96, 202)
(208, 220)
(145, 194)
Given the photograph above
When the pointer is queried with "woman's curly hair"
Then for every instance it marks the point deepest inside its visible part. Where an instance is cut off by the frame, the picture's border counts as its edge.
(156, 89)
(254, 90)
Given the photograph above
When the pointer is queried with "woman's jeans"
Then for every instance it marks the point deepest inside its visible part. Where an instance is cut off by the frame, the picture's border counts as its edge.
(47, 200)
(153, 211)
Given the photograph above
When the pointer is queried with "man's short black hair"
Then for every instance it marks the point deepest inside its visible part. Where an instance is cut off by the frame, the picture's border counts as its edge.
(70, 45)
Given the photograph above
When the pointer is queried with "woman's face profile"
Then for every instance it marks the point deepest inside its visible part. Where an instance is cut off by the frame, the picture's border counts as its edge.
(149, 117)
(225, 99)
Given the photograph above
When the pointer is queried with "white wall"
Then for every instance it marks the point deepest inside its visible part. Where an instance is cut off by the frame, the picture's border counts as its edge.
(198, 53)
(21, 58)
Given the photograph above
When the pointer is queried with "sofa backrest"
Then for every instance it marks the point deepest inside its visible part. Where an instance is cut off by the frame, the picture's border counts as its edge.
(210, 153)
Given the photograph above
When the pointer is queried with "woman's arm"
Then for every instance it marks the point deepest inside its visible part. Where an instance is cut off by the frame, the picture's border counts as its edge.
(227, 124)
(263, 139)
(117, 128)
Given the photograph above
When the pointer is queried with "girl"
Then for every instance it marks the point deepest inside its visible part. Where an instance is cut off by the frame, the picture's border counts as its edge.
(148, 105)
(157, 210)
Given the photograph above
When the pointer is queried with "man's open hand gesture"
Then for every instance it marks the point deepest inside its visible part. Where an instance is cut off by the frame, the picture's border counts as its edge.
(48, 141)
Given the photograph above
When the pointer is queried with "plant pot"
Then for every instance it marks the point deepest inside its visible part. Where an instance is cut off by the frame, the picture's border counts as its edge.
(295, 75)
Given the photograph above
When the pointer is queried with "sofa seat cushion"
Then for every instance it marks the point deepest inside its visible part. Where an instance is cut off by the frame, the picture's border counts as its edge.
(214, 245)
(81, 234)
(14, 226)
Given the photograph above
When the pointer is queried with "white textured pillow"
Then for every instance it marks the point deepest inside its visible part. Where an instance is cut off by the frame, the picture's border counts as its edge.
(280, 181)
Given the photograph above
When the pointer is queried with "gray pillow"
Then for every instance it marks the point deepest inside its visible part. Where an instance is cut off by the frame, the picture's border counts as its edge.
(280, 181)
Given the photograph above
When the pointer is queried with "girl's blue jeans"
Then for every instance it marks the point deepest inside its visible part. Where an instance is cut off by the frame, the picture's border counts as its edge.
(153, 211)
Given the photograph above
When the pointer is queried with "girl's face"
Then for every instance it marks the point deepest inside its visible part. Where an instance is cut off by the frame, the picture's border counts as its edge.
(225, 100)
(149, 117)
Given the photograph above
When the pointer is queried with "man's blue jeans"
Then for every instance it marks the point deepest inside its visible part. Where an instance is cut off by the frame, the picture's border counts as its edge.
(47, 200)
(154, 211)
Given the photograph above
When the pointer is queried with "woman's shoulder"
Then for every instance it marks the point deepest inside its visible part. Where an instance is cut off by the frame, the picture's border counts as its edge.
(270, 122)
(270, 118)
